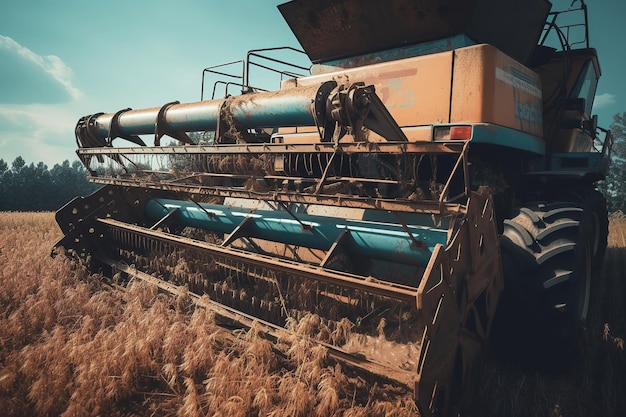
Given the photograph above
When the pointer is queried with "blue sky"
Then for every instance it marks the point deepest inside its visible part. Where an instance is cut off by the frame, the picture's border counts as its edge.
(60, 60)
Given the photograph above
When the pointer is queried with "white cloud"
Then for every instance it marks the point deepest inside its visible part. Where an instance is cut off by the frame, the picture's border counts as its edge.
(18, 67)
(39, 105)
(603, 100)
(37, 132)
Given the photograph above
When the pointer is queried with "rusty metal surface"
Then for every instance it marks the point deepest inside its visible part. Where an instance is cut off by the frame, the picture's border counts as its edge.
(431, 207)
(458, 298)
(280, 148)
(330, 30)
(94, 234)
(350, 174)
(346, 280)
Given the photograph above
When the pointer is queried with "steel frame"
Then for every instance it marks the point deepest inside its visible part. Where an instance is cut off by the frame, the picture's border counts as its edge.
(191, 183)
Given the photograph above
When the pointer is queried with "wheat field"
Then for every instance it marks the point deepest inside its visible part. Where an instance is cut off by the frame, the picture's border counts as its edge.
(71, 345)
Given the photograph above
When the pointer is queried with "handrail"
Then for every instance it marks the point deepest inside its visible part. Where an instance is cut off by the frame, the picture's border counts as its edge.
(254, 58)
(212, 70)
(256, 53)
(564, 32)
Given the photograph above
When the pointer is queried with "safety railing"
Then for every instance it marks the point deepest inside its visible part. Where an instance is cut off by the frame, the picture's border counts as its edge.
(238, 73)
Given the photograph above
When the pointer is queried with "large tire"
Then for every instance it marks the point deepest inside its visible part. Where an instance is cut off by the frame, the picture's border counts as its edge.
(547, 262)
(594, 203)
(597, 222)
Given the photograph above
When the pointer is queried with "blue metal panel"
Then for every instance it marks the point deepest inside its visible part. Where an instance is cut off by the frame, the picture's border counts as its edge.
(375, 240)
(290, 107)
(492, 134)
(428, 48)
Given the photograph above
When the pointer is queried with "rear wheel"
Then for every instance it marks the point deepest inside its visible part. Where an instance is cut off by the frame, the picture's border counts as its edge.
(547, 257)
(595, 204)
(597, 225)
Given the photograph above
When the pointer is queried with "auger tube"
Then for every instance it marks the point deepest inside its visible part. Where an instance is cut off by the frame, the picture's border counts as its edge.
(383, 241)
(290, 107)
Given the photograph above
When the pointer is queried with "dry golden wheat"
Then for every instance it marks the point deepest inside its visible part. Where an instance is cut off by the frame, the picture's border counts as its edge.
(72, 346)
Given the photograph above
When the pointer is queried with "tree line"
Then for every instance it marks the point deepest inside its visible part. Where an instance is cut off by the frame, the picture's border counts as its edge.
(614, 187)
(30, 187)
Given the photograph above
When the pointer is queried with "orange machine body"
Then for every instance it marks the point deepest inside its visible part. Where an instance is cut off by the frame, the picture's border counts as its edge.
(470, 85)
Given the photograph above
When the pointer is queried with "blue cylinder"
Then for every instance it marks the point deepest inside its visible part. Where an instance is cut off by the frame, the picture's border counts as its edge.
(289, 107)
(375, 240)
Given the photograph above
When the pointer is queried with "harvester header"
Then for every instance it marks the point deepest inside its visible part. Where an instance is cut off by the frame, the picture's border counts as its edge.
(436, 149)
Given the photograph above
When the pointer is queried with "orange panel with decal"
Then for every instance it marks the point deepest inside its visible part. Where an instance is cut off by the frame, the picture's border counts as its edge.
(491, 87)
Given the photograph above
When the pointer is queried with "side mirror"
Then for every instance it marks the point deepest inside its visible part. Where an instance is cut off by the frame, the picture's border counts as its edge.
(591, 125)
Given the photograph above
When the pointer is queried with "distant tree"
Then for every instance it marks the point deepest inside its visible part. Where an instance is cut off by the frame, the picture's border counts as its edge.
(30, 187)
(69, 181)
(25, 193)
(17, 164)
(614, 188)
(4, 180)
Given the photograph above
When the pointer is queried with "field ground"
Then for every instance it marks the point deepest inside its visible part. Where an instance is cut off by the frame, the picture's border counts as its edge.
(71, 346)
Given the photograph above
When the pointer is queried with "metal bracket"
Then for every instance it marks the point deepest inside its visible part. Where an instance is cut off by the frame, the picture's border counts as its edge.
(320, 184)
(307, 227)
(325, 125)
(85, 132)
(240, 231)
(114, 131)
(379, 119)
(417, 244)
(339, 109)
(165, 218)
(161, 128)
(339, 245)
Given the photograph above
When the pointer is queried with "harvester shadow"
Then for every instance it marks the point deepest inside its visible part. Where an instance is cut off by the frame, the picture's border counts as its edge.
(596, 380)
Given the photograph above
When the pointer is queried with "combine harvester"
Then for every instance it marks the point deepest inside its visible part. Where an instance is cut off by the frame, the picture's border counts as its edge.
(438, 151)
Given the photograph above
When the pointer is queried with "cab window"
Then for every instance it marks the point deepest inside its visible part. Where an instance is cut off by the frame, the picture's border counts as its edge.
(586, 86)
